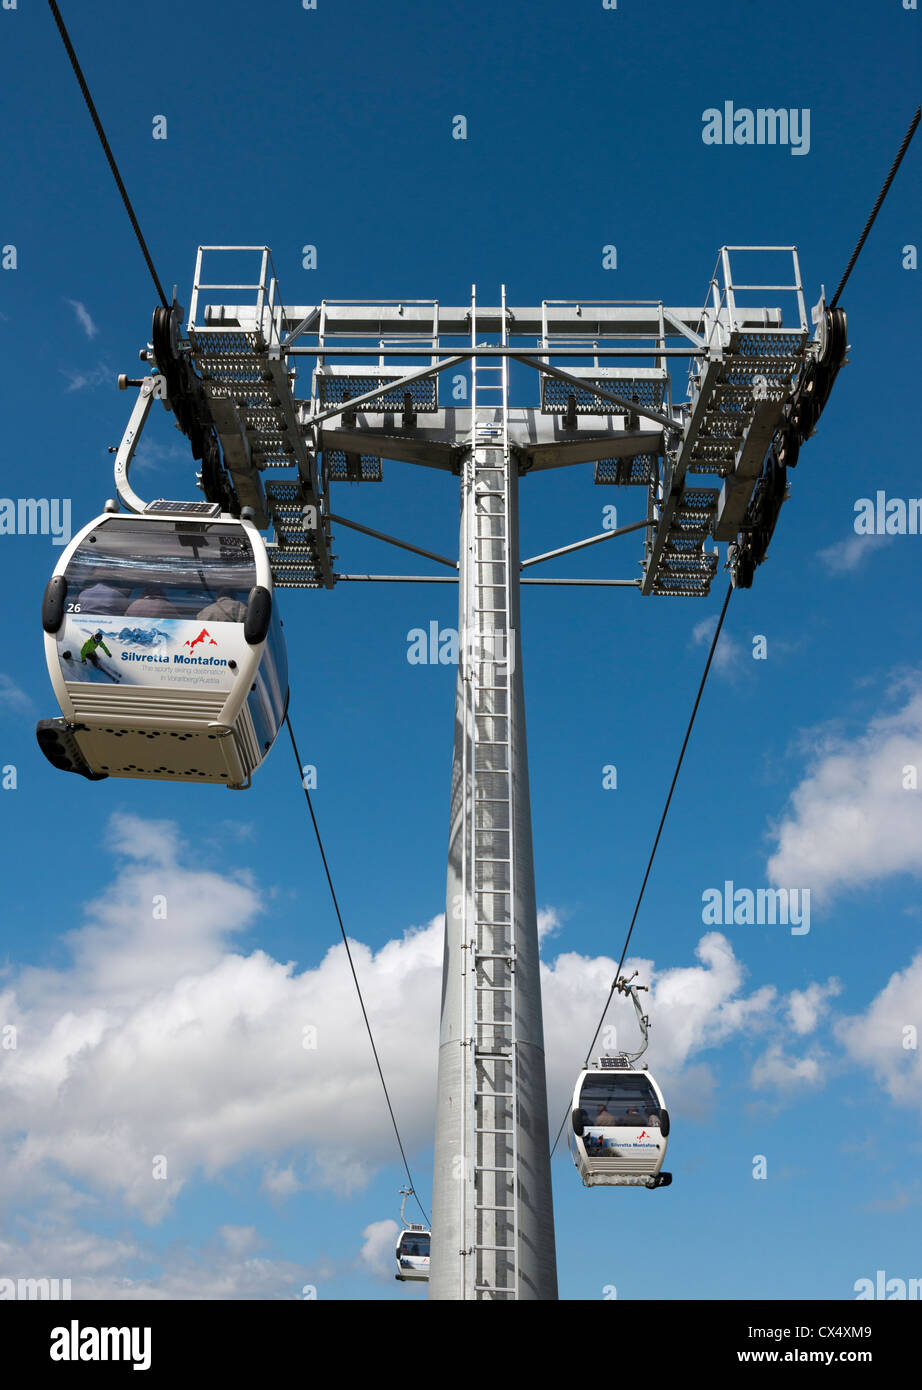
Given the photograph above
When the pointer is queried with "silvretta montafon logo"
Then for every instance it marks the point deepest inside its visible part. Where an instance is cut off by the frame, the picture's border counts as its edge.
(201, 637)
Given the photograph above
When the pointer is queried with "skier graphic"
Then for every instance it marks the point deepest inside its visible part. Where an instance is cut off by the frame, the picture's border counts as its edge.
(88, 654)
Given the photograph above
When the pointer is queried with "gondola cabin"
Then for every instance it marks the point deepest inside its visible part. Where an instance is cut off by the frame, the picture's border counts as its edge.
(164, 648)
(619, 1126)
(413, 1253)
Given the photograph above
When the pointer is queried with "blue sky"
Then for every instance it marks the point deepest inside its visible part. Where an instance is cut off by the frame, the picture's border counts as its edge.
(333, 127)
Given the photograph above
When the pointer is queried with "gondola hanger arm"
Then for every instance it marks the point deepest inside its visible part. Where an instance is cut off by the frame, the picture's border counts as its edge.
(625, 986)
(151, 388)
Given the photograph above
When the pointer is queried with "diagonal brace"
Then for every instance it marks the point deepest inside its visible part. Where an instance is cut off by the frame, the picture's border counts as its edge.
(580, 545)
(392, 540)
(384, 390)
(629, 407)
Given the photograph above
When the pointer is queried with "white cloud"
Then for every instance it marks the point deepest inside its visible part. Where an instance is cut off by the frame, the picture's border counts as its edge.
(100, 375)
(844, 557)
(785, 1073)
(83, 317)
(886, 1037)
(159, 1037)
(806, 1007)
(692, 1008)
(851, 821)
(168, 1036)
(279, 1183)
(240, 1240)
(728, 653)
(154, 454)
(377, 1252)
(13, 700)
(548, 922)
(124, 1268)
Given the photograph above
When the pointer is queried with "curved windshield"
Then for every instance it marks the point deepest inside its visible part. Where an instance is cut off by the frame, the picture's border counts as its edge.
(414, 1246)
(612, 1098)
(135, 568)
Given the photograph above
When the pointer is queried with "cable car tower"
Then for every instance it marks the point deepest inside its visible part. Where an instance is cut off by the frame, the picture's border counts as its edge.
(709, 468)
(757, 386)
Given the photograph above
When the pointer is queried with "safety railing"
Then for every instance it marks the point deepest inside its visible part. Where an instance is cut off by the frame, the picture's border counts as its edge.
(268, 313)
(720, 305)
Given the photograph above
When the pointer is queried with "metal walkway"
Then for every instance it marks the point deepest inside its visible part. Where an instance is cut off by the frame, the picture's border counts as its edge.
(250, 391)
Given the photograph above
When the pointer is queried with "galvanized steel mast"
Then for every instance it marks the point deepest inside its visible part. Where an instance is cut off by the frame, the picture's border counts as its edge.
(375, 396)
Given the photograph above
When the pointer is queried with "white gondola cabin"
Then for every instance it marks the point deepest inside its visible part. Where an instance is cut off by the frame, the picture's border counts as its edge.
(164, 648)
(619, 1126)
(413, 1253)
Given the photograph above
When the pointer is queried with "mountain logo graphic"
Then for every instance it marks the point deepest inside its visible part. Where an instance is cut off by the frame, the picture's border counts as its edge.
(201, 637)
(643, 1135)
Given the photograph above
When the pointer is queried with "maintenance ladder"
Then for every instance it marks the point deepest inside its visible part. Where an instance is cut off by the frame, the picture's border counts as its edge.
(488, 990)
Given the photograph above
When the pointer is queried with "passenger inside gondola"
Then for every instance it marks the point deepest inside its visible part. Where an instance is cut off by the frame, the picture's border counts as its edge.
(126, 569)
(225, 609)
(613, 1100)
(413, 1246)
(102, 596)
(152, 603)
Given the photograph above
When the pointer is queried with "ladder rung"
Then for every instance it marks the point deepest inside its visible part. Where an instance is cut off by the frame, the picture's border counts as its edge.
(494, 1247)
(493, 989)
(494, 1288)
(493, 1057)
(483, 1207)
(486, 1168)
(478, 1130)
(496, 1095)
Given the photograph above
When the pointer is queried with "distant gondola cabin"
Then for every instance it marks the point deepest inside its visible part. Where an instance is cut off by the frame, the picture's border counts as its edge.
(619, 1126)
